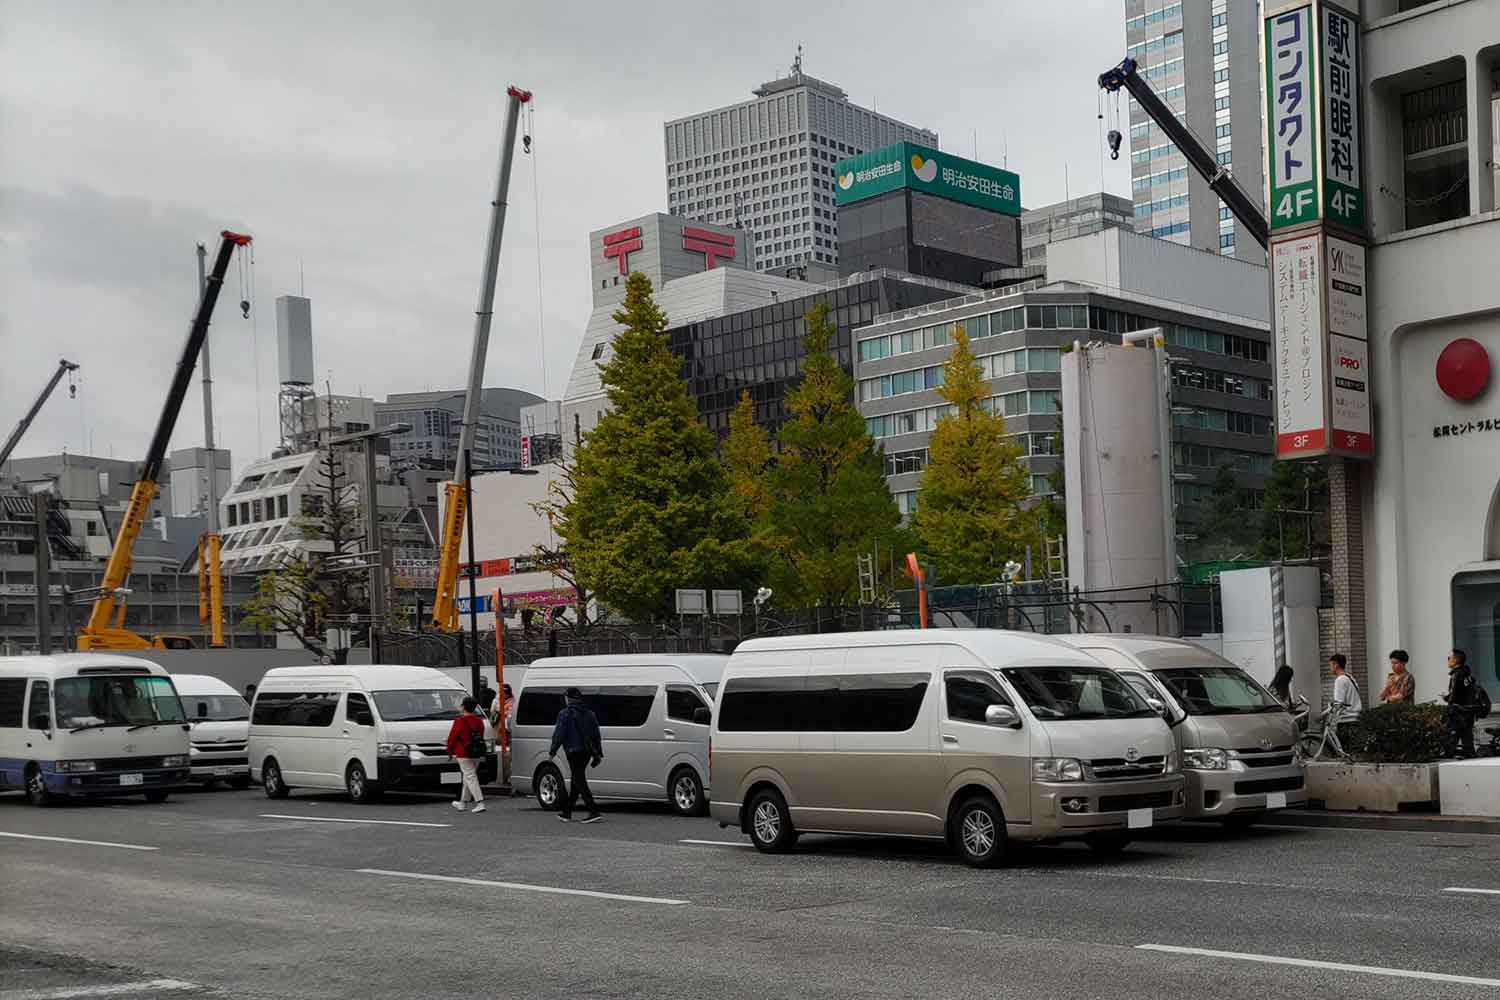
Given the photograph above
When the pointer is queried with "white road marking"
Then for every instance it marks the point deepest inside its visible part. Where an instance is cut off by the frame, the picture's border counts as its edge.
(1307, 963)
(716, 843)
(1477, 892)
(75, 840)
(330, 819)
(105, 990)
(525, 888)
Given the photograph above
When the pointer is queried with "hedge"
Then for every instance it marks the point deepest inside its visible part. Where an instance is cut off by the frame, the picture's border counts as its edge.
(1398, 733)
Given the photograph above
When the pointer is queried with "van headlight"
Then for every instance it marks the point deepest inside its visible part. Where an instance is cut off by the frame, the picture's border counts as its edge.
(175, 760)
(392, 749)
(1205, 759)
(1057, 769)
(77, 765)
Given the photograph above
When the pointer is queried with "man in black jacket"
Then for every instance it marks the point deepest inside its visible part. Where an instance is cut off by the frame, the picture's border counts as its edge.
(1460, 697)
(577, 733)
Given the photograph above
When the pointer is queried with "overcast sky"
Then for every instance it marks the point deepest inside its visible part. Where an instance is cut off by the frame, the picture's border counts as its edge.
(358, 144)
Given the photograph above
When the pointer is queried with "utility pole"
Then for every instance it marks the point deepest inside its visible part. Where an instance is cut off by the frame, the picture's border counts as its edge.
(43, 577)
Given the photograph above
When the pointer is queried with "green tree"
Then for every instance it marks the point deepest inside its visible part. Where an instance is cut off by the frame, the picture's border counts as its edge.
(826, 497)
(1225, 527)
(974, 512)
(1294, 515)
(309, 592)
(747, 460)
(648, 512)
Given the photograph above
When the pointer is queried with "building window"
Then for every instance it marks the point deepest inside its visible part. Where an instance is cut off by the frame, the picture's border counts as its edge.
(1435, 133)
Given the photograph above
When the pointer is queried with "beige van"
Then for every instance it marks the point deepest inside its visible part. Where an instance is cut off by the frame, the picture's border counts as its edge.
(974, 737)
(1234, 737)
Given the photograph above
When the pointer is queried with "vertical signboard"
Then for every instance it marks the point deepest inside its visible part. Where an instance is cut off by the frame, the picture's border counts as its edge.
(525, 452)
(1348, 350)
(1301, 359)
(1343, 187)
(1291, 119)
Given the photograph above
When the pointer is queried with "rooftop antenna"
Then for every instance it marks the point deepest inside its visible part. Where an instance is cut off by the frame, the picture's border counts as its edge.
(797, 62)
(301, 279)
(976, 144)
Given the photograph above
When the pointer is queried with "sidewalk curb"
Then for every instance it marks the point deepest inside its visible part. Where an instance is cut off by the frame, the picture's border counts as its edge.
(1393, 822)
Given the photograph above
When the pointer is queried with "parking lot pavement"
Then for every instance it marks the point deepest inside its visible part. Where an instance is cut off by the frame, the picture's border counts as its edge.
(417, 899)
(32, 975)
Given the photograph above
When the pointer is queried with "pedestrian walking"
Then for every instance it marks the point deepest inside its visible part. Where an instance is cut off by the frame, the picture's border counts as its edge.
(1281, 684)
(249, 694)
(1400, 685)
(1458, 735)
(1347, 703)
(466, 744)
(577, 734)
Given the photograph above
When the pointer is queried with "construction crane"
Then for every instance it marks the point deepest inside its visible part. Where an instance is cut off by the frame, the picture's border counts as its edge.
(64, 367)
(106, 624)
(1127, 76)
(456, 499)
(210, 581)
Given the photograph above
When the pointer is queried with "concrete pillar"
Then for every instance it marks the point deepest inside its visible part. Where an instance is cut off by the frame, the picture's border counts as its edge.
(1482, 176)
(1346, 523)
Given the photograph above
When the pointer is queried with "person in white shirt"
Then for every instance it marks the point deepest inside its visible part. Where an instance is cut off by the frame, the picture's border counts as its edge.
(1347, 703)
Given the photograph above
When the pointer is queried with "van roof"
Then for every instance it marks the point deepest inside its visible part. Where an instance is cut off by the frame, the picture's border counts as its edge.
(1016, 647)
(370, 675)
(699, 666)
(69, 664)
(191, 684)
(1153, 651)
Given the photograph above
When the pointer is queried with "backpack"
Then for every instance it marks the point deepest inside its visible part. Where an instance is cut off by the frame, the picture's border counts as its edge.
(474, 743)
(1481, 707)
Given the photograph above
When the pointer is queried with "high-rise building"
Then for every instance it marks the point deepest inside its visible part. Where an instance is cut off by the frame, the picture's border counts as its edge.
(437, 417)
(1064, 220)
(766, 166)
(1203, 59)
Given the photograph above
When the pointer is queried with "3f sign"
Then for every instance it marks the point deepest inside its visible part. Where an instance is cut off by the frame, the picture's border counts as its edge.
(1292, 204)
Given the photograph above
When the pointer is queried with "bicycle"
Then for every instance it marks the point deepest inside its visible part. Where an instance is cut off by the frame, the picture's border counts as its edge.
(1312, 743)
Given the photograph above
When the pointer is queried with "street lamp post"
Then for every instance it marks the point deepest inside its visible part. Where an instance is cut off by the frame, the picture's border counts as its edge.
(372, 527)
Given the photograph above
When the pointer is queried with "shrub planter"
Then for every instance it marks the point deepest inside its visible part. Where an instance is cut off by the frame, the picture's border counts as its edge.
(1351, 787)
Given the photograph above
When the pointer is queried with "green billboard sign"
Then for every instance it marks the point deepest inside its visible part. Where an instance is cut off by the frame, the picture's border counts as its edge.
(907, 165)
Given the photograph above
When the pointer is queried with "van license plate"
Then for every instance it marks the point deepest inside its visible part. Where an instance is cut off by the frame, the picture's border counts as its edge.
(1138, 819)
(452, 778)
(1276, 800)
(132, 779)
(221, 772)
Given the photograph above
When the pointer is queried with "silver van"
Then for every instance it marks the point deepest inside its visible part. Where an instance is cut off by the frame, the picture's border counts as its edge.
(975, 737)
(653, 713)
(1235, 738)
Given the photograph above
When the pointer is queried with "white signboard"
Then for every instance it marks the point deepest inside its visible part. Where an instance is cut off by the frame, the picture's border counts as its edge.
(1349, 360)
(1301, 363)
(1346, 289)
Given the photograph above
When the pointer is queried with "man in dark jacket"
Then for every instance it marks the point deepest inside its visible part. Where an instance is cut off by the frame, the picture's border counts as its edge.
(577, 733)
(1460, 697)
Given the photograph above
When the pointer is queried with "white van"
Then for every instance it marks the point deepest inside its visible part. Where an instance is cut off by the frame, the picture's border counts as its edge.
(653, 712)
(364, 729)
(89, 724)
(1235, 738)
(220, 718)
(971, 736)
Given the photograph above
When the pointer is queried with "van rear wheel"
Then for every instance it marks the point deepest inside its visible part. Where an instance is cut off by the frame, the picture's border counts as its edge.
(549, 787)
(770, 823)
(979, 832)
(687, 792)
(270, 779)
(357, 783)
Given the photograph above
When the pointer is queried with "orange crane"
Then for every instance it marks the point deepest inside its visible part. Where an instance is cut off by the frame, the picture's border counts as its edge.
(106, 624)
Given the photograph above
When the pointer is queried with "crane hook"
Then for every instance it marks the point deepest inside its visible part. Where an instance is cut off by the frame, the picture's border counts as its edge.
(1114, 138)
(245, 308)
(526, 143)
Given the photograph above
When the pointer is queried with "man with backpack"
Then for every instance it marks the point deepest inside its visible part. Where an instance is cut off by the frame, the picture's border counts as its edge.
(577, 733)
(467, 745)
(1467, 701)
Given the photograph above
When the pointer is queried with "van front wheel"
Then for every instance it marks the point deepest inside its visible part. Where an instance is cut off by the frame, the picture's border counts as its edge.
(549, 787)
(687, 792)
(979, 832)
(270, 774)
(771, 823)
(358, 784)
(37, 792)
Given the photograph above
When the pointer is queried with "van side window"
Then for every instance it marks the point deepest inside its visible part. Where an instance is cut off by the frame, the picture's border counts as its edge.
(762, 705)
(847, 703)
(357, 710)
(969, 695)
(12, 699)
(682, 702)
(879, 703)
(39, 708)
(620, 706)
(295, 708)
(539, 706)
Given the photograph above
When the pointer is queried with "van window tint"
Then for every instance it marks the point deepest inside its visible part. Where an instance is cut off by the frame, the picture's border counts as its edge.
(969, 695)
(850, 703)
(539, 706)
(357, 707)
(626, 706)
(12, 701)
(1218, 691)
(1142, 686)
(682, 702)
(295, 708)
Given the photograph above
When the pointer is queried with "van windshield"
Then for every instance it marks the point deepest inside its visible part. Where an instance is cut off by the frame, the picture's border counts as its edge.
(1077, 693)
(1217, 691)
(216, 707)
(93, 702)
(424, 705)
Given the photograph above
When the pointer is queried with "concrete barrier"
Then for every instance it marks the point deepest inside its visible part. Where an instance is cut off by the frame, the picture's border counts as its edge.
(1350, 787)
(1471, 787)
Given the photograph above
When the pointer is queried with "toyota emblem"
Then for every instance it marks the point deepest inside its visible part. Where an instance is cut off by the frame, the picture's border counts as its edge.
(1132, 754)
(1265, 743)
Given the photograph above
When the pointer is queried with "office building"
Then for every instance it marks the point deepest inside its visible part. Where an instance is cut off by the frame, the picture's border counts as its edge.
(1203, 59)
(909, 208)
(437, 417)
(1064, 220)
(1221, 374)
(766, 166)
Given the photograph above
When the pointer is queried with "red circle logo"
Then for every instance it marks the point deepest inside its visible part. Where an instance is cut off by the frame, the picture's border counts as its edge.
(1463, 369)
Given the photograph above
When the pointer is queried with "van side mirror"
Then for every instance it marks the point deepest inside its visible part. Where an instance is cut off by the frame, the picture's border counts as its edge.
(702, 717)
(42, 721)
(1158, 706)
(1002, 715)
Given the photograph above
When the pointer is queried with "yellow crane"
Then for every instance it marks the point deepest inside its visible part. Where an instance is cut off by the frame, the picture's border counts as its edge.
(106, 625)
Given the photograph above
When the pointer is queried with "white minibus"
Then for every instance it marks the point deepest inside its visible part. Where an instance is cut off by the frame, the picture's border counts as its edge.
(220, 718)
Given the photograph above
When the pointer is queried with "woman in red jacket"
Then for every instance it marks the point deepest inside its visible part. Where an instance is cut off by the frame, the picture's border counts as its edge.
(466, 743)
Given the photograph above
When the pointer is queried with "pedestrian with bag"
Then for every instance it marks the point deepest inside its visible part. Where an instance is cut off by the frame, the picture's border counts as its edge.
(577, 735)
(467, 745)
(1463, 700)
(1347, 704)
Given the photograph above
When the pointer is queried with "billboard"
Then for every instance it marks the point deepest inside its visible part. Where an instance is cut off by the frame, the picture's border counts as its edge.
(907, 165)
(1343, 187)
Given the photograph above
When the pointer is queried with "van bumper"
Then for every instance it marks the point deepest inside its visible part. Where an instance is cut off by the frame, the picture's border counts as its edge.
(1064, 810)
(401, 774)
(113, 782)
(1238, 789)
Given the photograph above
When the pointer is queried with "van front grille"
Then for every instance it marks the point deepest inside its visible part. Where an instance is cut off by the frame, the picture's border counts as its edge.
(1118, 768)
(1267, 760)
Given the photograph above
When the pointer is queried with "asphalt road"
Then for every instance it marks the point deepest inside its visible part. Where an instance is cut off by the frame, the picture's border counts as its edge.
(241, 896)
